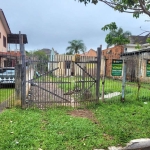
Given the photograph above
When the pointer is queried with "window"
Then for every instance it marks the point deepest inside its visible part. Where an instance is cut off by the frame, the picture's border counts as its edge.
(68, 64)
(4, 41)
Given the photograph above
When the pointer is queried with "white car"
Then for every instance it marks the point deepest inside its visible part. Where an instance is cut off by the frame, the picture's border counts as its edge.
(7, 76)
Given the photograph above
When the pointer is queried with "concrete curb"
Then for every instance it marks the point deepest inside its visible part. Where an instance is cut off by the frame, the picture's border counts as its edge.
(137, 144)
(142, 144)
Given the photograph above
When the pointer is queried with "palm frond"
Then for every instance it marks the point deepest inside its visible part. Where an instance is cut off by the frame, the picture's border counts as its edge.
(76, 46)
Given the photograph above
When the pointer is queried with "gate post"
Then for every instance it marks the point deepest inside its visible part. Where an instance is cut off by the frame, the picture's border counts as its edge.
(98, 72)
(18, 84)
(23, 70)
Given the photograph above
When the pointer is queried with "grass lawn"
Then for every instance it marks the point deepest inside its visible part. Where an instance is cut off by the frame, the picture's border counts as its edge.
(53, 129)
(5, 94)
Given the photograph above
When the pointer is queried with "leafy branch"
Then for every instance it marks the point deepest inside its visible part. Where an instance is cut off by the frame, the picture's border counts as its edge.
(136, 7)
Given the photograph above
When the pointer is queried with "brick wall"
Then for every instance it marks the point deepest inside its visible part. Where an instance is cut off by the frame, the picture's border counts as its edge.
(110, 54)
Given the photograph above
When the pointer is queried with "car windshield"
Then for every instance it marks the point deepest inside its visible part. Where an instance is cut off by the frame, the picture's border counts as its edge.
(7, 72)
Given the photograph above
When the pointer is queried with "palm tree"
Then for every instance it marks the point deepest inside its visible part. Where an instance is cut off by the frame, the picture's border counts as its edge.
(76, 46)
(117, 37)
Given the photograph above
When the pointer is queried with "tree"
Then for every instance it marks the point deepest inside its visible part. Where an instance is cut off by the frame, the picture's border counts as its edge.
(40, 55)
(136, 7)
(116, 35)
(41, 60)
(76, 46)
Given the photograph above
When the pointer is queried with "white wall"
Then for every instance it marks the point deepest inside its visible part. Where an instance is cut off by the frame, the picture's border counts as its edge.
(131, 47)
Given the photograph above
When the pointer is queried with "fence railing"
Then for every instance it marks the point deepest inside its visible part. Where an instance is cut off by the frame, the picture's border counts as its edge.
(125, 77)
(51, 80)
(8, 61)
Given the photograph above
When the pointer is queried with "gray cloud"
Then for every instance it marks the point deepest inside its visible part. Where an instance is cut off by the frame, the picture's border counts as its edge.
(53, 23)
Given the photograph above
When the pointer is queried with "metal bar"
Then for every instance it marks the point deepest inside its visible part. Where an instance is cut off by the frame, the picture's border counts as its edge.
(48, 102)
(84, 71)
(55, 78)
(39, 90)
(84, 62)
(76, 77)
(87, 88)
(53, 75)
(43, 61)
(92, 73)
(69, 71)
(61, 76)
(87, 68)
(43, 74)
(45, 85)
(63, 61)
(41, 69)
(52, 93)
(98, 72)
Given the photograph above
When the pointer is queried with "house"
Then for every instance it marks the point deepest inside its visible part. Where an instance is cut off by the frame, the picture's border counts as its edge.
(51, 54)
(4, 31)
(137, 41)
(8, 58)
(133, 55)
(68, 66)
(90, 55)
(108, 55)
(91, 52)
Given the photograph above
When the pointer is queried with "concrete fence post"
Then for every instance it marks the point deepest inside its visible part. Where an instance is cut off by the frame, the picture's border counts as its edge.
(18, 84)
(123, 81)
(98, 73)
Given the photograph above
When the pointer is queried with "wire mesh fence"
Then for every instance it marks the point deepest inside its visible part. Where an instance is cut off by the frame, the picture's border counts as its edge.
(137, 76)
(8, 61)
(71, 80)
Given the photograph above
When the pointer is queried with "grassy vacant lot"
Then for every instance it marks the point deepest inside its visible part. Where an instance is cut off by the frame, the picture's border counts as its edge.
(5, 94)
(54, 129)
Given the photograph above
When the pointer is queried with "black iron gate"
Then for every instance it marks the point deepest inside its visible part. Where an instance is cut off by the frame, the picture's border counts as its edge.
(51, 82)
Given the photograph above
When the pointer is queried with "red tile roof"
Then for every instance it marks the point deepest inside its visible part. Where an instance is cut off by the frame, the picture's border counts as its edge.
(91, 52)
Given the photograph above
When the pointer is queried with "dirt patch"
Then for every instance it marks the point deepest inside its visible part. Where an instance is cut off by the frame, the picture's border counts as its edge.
(83, 113)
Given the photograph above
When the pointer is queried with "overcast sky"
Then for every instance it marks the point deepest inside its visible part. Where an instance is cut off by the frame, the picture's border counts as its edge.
(52, 23)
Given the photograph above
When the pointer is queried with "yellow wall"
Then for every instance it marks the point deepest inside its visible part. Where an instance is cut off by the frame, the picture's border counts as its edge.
(3, 33)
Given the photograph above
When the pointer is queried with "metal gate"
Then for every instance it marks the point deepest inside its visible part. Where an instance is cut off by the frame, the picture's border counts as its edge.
(62, 80)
